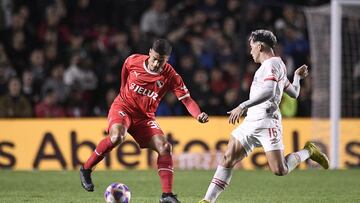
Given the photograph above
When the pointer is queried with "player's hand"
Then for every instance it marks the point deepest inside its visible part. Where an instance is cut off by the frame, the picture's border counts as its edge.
(203, 117)
(302, 71)
(235, 114)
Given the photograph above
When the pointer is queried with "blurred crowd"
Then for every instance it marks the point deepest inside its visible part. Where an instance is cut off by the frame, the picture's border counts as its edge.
(62, 58)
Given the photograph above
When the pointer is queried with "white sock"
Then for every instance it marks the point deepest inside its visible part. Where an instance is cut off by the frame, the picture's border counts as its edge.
(295, 158)
(219, 182)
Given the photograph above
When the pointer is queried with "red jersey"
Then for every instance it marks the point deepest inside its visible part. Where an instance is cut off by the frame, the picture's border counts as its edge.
(142, 89)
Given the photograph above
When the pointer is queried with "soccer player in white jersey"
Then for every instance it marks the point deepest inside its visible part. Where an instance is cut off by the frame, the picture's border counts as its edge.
(262, 124)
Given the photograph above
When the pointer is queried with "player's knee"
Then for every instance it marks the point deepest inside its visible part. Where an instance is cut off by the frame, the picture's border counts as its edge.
(116, 138)
(228, 161)
(165, 148)
(117, 135)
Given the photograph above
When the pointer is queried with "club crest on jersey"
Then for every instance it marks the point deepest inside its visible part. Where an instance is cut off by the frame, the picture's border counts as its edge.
(159, 83)
(273, 71)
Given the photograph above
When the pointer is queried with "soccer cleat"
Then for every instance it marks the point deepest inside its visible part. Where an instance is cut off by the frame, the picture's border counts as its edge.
(168, 198)
(204, 201)
(316, 155)
(85, 178)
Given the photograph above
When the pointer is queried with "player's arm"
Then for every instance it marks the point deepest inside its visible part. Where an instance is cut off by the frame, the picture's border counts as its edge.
(293, 89)
(124, 74)
(183, 94)
(194, 109)
(268, 91)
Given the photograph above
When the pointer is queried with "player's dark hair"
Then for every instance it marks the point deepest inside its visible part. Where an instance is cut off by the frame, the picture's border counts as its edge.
(264, 36)
(162, 47)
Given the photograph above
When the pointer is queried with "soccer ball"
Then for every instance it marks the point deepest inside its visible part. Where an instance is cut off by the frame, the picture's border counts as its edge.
(117, 193)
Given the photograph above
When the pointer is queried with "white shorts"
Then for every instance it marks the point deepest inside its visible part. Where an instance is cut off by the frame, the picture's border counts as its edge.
(265, 132)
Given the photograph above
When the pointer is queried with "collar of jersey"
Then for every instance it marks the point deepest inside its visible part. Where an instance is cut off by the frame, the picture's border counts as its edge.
(271, 58)
(151, 72)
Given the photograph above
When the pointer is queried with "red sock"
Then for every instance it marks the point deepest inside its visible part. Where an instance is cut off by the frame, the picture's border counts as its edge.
(166, 172)
(104, 146)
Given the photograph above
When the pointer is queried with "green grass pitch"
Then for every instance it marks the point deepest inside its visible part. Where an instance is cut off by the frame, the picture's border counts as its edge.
(246, 186)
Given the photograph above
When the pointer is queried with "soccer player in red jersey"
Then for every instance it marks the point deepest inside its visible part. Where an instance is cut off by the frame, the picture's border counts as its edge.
(145, 79)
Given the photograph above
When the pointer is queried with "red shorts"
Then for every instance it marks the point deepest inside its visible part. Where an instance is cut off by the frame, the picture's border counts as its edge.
(140, 127)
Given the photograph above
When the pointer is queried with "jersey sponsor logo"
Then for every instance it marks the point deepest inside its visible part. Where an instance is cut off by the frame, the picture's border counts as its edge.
(143, 91)
(159, 83)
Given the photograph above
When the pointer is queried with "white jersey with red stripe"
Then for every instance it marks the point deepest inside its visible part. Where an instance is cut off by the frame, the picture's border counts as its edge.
(271, 69)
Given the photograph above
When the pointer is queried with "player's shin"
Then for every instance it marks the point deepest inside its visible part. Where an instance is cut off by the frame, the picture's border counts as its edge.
(295, 158)
(166, 172)
(218, 184)
(104, 146)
